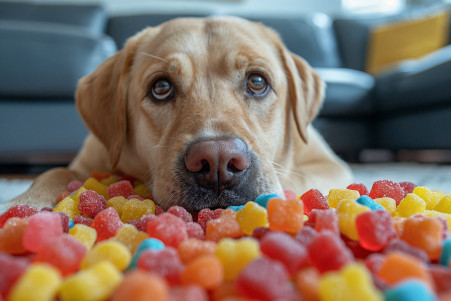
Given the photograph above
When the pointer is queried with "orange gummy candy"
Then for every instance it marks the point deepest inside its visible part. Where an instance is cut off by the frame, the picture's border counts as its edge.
(138, 285)
(425, 233)
(399, 266)
(205, 271)
(226, 226)
(285, 215)
(226, 291)
(11, 236)
(307, 283)
(193, 248)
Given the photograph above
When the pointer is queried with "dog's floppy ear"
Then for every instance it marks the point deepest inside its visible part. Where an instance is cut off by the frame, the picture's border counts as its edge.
(101, 99)
(306, 90)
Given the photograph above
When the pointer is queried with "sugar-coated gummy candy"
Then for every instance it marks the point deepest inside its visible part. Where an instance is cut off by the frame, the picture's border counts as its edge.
(41, 228)
(165, 263)
(306, 235)
(40, 282)
(325, 219)
(314, 199)
(146, 244)
(64, 252)
(78, 219)
(328, 253)
(389, 204)
(387, 188)
(251, 217)
(64, 221)
(68, 206)
(192, 248)
(94, 184)
(11, 235)
(266, 280)
(18, 211)
(205, 271)
(11, 270)
(289, 194)
(107, 223)
(109, 250)
(307, 284)
(424, 233)
(138, 285)
(100, 175)
(194, 230)
(408, 187)
(282, 247)
(361, 188)
(121, 188)
(375, 229)
(130, 237)
(94, 284)
(412, 204)
(427, 195)
(205, 215)
(73, 186)
(399, 245)
(236, 254)
(91, 203)
(168, 228)
(285, 215)
(348, 210)
(117, 203)
(410, 290)
(142, 191)
(134, 209)
(144, 220)
(263, 199)
(226, 225)
(259, 232)
(444, 205)
(84, 234)
(187, 293)
(445, 256)
(335, 196)
(181, 213)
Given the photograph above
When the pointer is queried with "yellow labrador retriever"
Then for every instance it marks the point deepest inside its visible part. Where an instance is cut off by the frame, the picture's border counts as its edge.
(207, 112)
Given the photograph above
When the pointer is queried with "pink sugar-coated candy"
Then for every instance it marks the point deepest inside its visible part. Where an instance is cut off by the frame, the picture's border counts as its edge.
(326, 219)
(165, 263)
(314, 199)
(282, 247)
(91, 203)
(145, 219)
(375, 229)
(327, 252)
(121, 188)
(42, 227)
(168, 228)
(205, 215)
(74, 186)
(107, 223)
(11, 269)
(289, 194)
(194, 230)
(361, 188)
(181, 213)
(187, 293)
(387, 188)
(399, 245)
(78, 219)
(306, 235)
(64, 221)
(18, 211)
(408, 187)
(266, 280)
(64, 253)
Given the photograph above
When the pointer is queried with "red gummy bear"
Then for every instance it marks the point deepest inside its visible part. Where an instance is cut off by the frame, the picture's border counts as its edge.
(41, 228)
(322, 220)
(165, 263)
(168, 228)
(361, 188)
(121, 188)
(107, 223)
(387, 188)
(205, 215)
(18, 211)
(181, 213)
(314, 199)
(375, 229)
(408, 187)
(91, 203)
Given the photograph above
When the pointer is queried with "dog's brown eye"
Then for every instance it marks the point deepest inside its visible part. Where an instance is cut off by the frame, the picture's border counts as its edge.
(162, 89)
(257, 85)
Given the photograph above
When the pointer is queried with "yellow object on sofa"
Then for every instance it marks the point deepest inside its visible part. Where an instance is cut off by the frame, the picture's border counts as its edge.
(411, 39)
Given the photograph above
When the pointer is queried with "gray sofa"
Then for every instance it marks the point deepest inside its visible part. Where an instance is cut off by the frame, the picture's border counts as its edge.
(46, 48)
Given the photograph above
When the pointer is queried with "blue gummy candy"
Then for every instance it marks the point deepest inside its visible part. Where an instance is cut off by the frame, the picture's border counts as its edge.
(410, 290)
(147, 244)
(369, 202)
(236, 208)
(71, 223)
(263, 199)
(446, 252)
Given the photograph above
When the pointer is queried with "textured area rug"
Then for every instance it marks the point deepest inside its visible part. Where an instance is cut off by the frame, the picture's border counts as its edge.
(435, 177)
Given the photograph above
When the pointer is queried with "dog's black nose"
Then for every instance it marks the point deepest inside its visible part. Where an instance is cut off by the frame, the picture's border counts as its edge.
(218, 163)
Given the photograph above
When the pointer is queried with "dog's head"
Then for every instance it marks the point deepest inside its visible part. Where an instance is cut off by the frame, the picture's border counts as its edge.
(202, 110)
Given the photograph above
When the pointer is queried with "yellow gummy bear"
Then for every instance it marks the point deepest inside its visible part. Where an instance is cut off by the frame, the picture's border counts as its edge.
(84, 234)
(93, 184)
(130, 237)
(69, 206)
(347, 212)
(94, 284)
(444, 205)
(109, 250)
(251, 217)
(135, 209)
(337, 195)
(427, 195)
(236, 255)
(117, 203)
(388, 203)
(410, 205)
(353, 282)
(40, 282)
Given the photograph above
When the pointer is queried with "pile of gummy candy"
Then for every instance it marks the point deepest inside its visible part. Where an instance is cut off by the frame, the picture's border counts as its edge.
(107, 240)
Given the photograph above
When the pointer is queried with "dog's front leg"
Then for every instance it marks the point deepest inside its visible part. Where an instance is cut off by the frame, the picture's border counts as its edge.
(45, 189)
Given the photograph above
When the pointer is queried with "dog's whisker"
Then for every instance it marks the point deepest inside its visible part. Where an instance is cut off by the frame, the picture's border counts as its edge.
(155, 57)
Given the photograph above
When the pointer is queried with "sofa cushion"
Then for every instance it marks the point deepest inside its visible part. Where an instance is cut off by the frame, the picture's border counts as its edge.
(43, 60)
(348, 92)
(88, 16)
